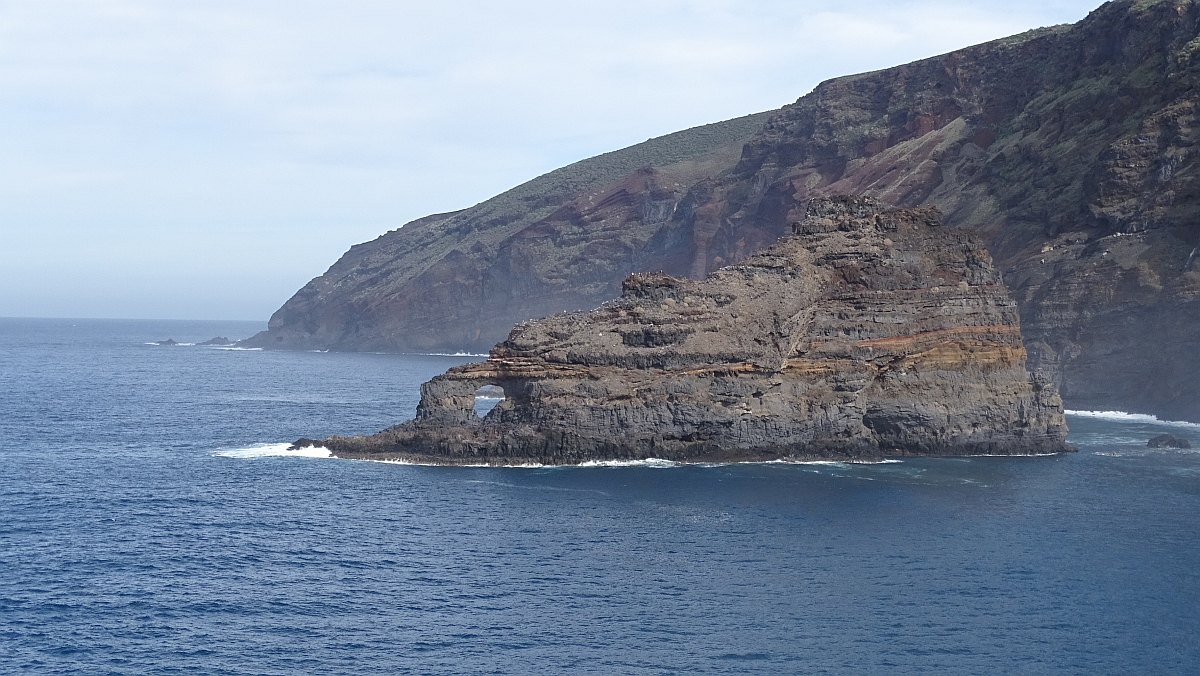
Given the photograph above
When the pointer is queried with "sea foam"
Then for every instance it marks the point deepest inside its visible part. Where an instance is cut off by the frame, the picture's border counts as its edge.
(1121, 416)
(657, 463)
(274, 450)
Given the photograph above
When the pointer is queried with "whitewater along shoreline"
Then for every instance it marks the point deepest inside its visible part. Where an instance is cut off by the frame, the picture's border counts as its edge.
(300, 446)
(869, 332)
(286, 449)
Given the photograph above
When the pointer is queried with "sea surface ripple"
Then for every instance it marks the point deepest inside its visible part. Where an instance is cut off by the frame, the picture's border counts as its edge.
(153, 523)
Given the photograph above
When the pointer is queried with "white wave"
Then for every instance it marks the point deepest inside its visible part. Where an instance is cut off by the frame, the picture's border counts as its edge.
(832, 463)
(416, 463)
(649, 462)
(454, 354)
(658, 463)
(239, 349)
(655, 463)
(661, 463)
(785, 461)
(274, 450)
(1009, 455)
(1121, 416)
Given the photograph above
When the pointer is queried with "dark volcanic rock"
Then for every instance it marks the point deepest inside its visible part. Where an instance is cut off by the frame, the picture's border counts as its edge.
(1168, 441)
(218, 340)
(869, 332)
(1072, 149)
(167, 343)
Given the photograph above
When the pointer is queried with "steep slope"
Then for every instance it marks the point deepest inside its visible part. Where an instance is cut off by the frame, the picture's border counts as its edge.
(461, 280)
(869, 332)
(1071, 149)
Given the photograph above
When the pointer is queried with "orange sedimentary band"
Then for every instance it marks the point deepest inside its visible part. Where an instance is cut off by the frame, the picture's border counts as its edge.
(1003, 329)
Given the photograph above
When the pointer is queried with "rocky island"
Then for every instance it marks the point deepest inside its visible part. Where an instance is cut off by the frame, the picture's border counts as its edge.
(870, 331)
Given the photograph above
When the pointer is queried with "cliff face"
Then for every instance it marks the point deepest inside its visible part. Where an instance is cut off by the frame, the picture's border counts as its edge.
(1072, 151)
(869, 332)
(459, 281)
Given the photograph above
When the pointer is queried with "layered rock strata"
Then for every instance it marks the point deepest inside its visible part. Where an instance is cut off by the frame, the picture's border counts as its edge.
(868, 332)
(1072, 149)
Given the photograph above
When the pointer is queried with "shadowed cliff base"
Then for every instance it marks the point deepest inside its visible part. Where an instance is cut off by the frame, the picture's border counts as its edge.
(869, 332)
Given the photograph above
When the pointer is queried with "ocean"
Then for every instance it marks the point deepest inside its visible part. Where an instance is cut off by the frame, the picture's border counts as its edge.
(152, 522)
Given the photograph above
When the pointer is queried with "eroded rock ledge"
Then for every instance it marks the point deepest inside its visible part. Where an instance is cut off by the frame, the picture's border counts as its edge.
(868, 332)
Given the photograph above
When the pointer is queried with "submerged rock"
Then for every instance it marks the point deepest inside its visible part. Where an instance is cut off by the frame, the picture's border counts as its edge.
(869, 332)
(1168, 441)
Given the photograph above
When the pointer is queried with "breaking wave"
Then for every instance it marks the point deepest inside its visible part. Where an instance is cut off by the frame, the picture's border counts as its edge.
(274, 450)
(1121, 416)
(233, 348)
(654, 463)
(837, 463)
(658, 463)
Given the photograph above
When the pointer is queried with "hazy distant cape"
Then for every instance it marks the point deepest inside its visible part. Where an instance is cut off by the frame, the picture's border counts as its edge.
(1071, 149)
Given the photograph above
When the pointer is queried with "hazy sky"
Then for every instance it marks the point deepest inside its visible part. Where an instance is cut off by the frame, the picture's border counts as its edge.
(206, 158)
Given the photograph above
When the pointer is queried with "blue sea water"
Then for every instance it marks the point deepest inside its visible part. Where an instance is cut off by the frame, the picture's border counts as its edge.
(147, 526)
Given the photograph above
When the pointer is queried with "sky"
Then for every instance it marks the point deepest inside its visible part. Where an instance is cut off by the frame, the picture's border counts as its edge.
(203, 159)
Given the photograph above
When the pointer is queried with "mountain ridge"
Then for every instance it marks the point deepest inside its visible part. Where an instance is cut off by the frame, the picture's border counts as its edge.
(866, 332)
(329, 311)
(1071, 149)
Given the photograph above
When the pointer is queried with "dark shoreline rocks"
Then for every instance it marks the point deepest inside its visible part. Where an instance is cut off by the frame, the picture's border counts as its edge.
(868, 333)
(1168, 441)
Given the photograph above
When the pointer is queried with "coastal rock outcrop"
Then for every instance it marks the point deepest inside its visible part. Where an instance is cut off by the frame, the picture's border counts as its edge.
(1168, 441)
(868, 332)
(1071, 149)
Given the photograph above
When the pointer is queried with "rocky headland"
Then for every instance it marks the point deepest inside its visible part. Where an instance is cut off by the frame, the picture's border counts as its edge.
(1072, 150)
(868, 332)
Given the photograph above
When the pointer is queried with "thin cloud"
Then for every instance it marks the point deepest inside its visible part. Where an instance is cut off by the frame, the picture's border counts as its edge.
(284, 132)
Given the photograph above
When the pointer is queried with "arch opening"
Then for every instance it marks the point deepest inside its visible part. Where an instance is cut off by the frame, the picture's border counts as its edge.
(486, 399)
